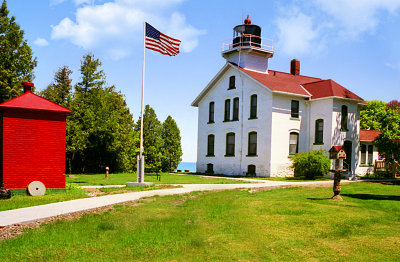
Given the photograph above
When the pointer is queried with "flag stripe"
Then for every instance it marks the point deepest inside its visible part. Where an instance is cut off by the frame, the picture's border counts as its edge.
(159, 42)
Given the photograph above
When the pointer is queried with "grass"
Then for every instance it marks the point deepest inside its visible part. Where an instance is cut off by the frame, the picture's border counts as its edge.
(294, 224)
(72, 192)
(20, 201)
(122, 178)
(291, 179)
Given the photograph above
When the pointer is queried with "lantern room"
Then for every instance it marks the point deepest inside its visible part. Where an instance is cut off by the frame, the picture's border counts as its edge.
(247, 48)
(32, 141)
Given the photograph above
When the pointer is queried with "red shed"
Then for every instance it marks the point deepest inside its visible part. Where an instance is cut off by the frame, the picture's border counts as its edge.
(32, 141)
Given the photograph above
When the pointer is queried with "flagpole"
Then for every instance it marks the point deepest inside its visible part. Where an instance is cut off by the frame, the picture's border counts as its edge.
(140, 169)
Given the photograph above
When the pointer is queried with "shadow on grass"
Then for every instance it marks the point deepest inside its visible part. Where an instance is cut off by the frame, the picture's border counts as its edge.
(318, 198)
(373, 197)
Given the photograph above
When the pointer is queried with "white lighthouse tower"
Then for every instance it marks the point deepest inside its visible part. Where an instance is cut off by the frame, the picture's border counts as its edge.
(248, 49)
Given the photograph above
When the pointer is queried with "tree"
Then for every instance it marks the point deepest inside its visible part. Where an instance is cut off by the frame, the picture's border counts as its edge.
(172, 149)
(60, 90)
(152, 138)
(394, 105)
(100, 130)
(16, 61)
(388, 143)
(372, 115)
(92, 77)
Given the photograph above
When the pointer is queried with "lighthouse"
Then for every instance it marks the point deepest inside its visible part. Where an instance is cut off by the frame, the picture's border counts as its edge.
(248, 49)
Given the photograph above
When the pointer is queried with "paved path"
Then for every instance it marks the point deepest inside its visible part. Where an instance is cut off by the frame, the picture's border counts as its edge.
(29, 214)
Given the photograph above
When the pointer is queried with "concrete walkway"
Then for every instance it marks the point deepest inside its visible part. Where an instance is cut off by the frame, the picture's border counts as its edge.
(29, 214)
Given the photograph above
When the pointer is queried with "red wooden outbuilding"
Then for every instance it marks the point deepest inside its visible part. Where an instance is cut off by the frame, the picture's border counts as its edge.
(32, 141)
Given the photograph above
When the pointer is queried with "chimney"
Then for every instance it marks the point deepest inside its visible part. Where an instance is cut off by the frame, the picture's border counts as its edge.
(27, 86)
(295, 67)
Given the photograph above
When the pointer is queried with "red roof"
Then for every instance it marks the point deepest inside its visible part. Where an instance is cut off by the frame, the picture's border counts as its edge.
(337, 148)
(301, 85)
(369, 135)
(29, 100)
(329, 88)
(282, 82)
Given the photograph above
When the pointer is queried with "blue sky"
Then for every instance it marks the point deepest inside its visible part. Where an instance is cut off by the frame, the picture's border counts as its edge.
(354, 42)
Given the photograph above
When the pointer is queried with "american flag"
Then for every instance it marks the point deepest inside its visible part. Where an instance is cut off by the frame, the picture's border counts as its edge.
(157, 41)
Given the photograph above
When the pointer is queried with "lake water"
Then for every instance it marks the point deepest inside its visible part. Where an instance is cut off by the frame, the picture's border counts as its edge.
(187, 166)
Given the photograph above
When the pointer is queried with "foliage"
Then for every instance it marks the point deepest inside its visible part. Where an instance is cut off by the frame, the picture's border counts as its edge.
(388, 143)
(60, 91)
(372, 115)
(100, 130)
(16, 61)
(206, 226)
(172, 148)
(152, 138)
(311, 164)
(393, 105)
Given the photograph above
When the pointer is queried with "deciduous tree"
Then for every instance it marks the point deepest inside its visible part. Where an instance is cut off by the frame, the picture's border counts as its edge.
(372, 115)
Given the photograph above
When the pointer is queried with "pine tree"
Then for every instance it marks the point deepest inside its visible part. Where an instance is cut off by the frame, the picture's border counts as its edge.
(152, 138)
(60, 91)
(16, 61)
(100, 130)
(172, 148)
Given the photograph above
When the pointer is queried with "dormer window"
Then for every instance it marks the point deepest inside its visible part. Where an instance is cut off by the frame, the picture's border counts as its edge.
(232, 82)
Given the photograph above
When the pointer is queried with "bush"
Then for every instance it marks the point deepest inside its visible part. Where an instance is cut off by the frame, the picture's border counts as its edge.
(311, 164)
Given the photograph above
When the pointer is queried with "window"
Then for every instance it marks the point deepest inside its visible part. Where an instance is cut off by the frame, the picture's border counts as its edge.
(211, 113)
(319, 132)
(227, 110)
(230, 144)
(232, 82)
(293, 143)
(235, 116)
(344, 118)
(252, 148)
(295, 109)
(363, 154)
(251, 170)
(253, 106)
(210, 169)
(210, 145)
(370, 154)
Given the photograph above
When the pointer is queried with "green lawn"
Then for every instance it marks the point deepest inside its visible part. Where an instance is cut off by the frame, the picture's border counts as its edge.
(72, 192)
(293, 224)
(19, 201)
(122, 178)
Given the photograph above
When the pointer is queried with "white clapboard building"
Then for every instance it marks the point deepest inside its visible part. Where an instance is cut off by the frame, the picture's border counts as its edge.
(252, 120)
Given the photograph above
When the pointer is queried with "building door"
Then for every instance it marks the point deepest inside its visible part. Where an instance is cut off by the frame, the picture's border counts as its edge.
(348, 146)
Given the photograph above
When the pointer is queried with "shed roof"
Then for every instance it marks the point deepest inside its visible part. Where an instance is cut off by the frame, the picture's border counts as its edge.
(29, 100)
(369, 135)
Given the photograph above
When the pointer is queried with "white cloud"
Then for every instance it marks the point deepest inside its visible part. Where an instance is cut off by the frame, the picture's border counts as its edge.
(297, 34)
(115, 26)
(357, 16)
(41, 42)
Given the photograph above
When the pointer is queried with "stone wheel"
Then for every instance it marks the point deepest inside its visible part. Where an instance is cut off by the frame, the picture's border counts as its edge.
(36, 188)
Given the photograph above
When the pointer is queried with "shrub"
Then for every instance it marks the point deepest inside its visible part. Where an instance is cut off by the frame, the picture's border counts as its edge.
(311, 164)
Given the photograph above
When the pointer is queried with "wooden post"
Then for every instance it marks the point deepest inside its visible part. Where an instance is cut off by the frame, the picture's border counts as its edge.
(107, 169)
